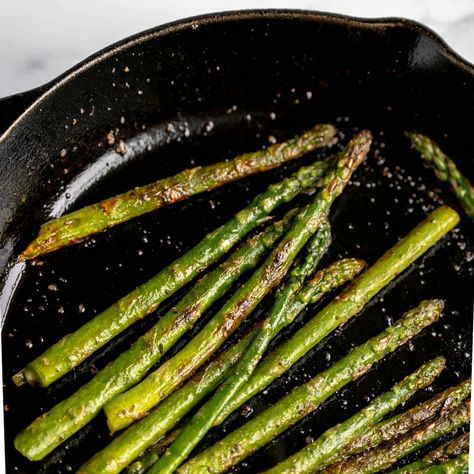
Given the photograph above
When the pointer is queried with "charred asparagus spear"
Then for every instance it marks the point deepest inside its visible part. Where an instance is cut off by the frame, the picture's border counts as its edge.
(443, 453)
(445, 170)
(127, 446)
(313, 456)
(54, 427)
(382, 457)
(306, 398)
(203, 420)
(346, 305)
(135, 403)
(74, 348)
(458, 465)
(400, 424)
(455, 447)
(75, 226)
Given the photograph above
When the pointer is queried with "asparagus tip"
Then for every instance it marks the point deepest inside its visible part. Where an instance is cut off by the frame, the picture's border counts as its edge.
(357, 264)
(414, 137)
(440, 362)
(437, 303)
(28, 254)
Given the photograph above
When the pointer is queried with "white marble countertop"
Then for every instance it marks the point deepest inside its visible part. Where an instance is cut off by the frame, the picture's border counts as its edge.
(41, 39)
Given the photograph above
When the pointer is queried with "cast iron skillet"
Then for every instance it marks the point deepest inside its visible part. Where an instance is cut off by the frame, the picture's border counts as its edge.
(198, 91)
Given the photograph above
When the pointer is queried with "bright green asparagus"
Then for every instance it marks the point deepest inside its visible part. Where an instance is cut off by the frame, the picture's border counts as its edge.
(443, 453)
(304, 399)
(458, 465)
(346, 305)
(74, 348)
(312, 457)
(349, 303)
(203, 420)
(72, 228)
(135, 403)
(382, 457)
(127, 446)
(54, 427)
(445, 170)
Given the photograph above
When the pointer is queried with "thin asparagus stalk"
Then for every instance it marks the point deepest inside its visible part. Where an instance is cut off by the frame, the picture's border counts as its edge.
(457, 465)
(382, 457)
(399, 424)
(443, 453)
(346, 305)
(455, 447)
(74, 348)
(315, 455)
(153, 453)
(203, 420)
(75, 226)
(135, 403)
(127, 446)
(306, 398)
(445, 170)
(54, 427)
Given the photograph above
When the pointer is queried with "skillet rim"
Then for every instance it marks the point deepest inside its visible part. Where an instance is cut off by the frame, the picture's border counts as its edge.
(225, 16)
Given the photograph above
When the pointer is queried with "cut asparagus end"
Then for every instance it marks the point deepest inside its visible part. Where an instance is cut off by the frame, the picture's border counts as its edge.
(27, 375)
(19, 378)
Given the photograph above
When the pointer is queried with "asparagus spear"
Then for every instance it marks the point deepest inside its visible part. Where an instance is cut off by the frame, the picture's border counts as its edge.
(457, 465)
(54, 427)
(127, 446)
(135, 403)
(306, 398)
(445, 170)
(455, 447)
(74, 348)
(443, 453)
(399, 424)
(75, 226)
(382, 457)
(315, 455)
(349, 303)
(202, 421)
(153, 453)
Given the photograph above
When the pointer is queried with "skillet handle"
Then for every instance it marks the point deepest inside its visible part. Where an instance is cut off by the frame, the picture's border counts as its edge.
(13, 106)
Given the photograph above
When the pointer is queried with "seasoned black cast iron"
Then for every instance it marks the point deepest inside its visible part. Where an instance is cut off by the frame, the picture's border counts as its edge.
(196, 92)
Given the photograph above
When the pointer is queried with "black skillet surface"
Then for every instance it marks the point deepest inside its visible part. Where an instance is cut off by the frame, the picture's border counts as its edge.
(198, 91)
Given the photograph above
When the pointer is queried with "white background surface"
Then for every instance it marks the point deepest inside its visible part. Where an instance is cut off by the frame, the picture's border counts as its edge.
(39, 39)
